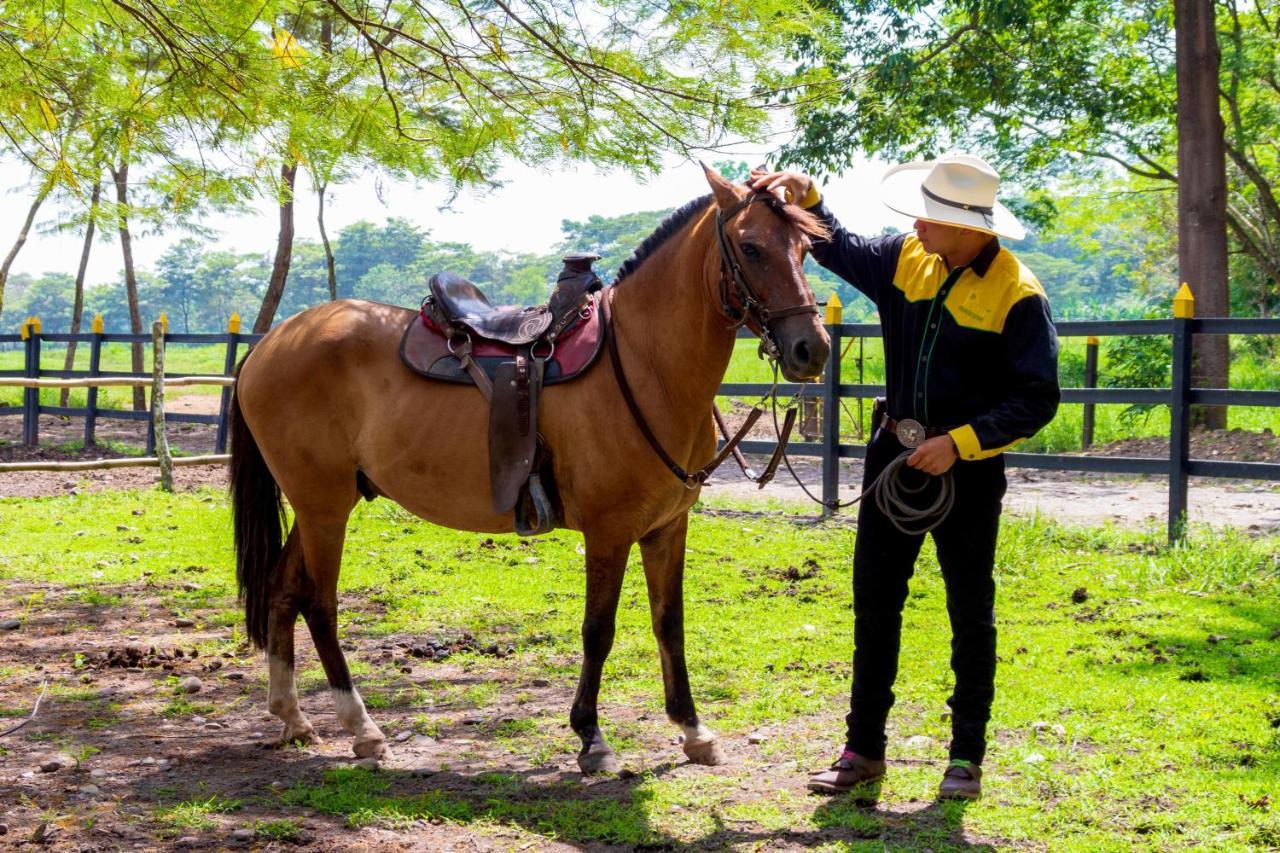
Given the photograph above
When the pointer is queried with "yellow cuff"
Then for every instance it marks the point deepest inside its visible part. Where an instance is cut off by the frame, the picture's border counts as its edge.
(968, 446)
(812, 197)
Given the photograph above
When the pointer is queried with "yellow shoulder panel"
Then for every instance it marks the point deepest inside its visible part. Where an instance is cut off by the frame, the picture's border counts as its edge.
(919, 274)
(984, 302)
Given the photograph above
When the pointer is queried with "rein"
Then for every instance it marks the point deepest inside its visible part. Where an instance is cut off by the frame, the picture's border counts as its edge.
(690, 480)
(752, 308)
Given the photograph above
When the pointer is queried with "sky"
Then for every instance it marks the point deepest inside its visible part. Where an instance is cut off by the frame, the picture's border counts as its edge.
(522, 216)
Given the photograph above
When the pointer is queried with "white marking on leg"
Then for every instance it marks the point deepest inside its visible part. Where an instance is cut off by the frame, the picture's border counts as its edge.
(351, 713)
(697, 735)
(282, 699)
(369, 740)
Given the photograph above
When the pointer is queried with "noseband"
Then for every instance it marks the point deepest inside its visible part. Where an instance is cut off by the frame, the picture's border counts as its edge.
(734, 283)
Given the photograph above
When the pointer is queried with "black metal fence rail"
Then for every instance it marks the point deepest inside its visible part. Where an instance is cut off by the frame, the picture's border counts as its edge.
(32, 341)
(1180, 397)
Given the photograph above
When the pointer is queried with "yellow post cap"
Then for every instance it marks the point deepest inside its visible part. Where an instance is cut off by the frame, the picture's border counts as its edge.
(1092, 340)
(835, 311)
(24, 331)
(35, 323)
(1184, 303)
(233, 325)
(164, 322)
(97, 323)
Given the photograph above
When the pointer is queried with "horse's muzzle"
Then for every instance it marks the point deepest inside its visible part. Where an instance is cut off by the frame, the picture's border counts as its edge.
(803, 346)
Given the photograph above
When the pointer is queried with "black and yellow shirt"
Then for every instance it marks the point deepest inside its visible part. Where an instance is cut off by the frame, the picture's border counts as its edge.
(970, 350)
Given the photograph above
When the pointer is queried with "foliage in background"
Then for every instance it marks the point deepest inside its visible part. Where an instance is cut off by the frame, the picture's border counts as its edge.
(1084, 88)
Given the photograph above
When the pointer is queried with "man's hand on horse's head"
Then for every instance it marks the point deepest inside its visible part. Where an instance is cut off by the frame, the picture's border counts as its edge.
(935, 456)
(789, 186)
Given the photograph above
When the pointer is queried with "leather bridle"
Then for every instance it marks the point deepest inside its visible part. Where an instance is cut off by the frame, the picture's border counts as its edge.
(750, 307)
(735, 284)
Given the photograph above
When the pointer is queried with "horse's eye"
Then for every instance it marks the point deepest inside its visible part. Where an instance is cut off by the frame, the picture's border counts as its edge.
(750, 250)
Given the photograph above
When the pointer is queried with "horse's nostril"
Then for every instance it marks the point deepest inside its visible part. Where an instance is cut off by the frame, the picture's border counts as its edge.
(800, 352)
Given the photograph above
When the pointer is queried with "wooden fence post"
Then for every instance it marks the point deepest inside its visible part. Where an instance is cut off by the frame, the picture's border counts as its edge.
(31, 396)
(831, 411)
(228, 368)
(1090, 381)
(157, 406)
(95, 370)
(1184, 310)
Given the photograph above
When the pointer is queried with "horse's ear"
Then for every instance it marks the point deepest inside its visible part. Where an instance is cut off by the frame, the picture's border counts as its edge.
(726, 193)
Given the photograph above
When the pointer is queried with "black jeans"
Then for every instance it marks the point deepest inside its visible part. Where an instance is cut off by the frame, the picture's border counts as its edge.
(883, 562)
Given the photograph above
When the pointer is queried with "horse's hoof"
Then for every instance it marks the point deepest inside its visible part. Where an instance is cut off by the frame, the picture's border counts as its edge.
(598, 760)
(705, 752)
(370, 747)
(304, 735)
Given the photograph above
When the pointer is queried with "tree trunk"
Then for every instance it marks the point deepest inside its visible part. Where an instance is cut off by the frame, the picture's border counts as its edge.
(77, 309)
(121, 178)
(284, 251)
(328, 250)
(1202, 192)
(45, 187)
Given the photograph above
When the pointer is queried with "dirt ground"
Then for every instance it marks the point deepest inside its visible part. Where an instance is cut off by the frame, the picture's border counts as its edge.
(108, 753)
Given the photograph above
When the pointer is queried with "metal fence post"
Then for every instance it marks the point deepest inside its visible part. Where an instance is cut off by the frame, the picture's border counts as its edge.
(31, 396)
(1180, 412)
(1090, 381)
(228, 369)
(831, 410)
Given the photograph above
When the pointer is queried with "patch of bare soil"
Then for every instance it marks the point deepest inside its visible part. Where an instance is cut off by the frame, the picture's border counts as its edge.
(1235, 445)
(147, 710)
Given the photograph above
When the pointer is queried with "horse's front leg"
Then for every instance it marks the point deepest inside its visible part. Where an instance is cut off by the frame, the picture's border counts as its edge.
(663, 553)
(606, 565)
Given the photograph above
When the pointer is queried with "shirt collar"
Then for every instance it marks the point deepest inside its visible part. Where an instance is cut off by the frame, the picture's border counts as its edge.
(982, 261)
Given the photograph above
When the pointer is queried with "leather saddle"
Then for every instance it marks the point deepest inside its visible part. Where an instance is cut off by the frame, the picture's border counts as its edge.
(464, 304)
(509, 353)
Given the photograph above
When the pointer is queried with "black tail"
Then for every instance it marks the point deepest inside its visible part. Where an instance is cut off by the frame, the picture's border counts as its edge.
(259, 523)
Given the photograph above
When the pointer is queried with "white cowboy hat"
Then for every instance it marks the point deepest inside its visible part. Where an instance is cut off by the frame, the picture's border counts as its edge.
(958, 189)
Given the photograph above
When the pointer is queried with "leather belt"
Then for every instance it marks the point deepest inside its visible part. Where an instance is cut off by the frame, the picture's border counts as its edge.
(910, 433)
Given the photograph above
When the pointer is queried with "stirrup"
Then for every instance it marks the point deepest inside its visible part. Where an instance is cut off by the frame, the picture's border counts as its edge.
(534, 501)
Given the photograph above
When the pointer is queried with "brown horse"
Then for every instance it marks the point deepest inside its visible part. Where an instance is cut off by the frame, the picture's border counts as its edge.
(324, 401)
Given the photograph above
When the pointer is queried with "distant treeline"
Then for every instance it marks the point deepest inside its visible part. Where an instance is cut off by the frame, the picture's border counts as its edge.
(199, 287)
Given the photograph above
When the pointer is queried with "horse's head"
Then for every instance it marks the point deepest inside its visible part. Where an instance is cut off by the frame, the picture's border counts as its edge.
(762, 244)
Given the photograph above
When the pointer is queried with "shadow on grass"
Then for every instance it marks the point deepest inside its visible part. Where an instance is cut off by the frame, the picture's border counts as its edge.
(614, 811)
(1238, 643)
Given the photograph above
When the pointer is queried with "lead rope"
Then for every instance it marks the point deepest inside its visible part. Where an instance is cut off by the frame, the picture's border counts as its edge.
(890, 488)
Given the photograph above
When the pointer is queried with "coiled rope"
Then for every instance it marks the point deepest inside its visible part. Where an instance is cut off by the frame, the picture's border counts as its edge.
(890, 488)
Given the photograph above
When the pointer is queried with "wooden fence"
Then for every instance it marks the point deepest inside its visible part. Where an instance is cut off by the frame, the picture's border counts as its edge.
(32, 339)
(32, 378)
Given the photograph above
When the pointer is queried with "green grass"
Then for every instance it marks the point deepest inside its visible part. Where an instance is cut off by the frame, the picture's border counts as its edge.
(1169, 739)
(194, 814)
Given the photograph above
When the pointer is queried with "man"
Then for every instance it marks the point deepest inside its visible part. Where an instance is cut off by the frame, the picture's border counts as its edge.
(970, 355)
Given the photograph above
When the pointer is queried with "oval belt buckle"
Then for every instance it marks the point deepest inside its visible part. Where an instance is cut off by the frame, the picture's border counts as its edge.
(910, 433)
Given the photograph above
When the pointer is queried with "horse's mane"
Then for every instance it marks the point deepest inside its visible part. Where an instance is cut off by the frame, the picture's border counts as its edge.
(799, 218)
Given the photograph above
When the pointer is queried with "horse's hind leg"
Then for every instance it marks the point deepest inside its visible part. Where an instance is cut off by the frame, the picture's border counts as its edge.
(283, 695)
(322, 538)
(663, 554)
(605, 568)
